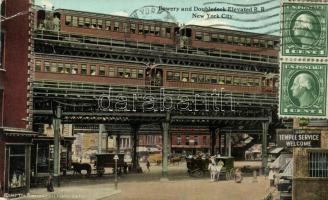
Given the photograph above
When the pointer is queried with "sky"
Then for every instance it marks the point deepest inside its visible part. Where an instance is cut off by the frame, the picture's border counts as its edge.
(227, 14)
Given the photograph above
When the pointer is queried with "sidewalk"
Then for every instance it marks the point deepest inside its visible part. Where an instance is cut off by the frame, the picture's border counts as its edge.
(85, 192)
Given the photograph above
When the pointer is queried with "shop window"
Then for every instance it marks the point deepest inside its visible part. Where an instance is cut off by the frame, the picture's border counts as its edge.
(127, 73)
(38, 66)
(170, 76)
(221, 79)
(157, 30)
(140, 29)
(176, 76)
(93, 70)
(100, 24)
(87, 22)
(84, 69)
(117, 26)
(68, 68)
(81, 22)
(140, 73)
(75, 69)
(16, 167)
(120, 72)
(206, 37)
(318, 164)
(68, 20)
(201, 78)
(111, 72)
(46, 66)
(168, 32)
(229, 80)
(214, 37)
(193, 78)
(102, 71)
(185, 77)
(93, 23)
(107, 25)
(134, 73)
(146, 29)
(60, 68)
(74, 21)
(199, 36)
(53, 67)
(222, 38)
(133, 28)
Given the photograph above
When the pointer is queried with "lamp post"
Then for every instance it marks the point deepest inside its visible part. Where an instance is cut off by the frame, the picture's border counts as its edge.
(116, 181)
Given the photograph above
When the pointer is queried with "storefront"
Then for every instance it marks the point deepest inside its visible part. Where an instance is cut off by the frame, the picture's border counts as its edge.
(15, 147)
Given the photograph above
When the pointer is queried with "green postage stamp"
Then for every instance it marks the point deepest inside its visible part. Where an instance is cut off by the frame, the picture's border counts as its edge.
(304, 30)
(303, 90)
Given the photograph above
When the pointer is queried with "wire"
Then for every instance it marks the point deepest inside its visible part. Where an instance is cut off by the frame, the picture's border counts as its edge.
(15, 15)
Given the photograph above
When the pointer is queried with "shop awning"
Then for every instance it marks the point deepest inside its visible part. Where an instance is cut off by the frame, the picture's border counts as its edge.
(276, 150)
(282, 161)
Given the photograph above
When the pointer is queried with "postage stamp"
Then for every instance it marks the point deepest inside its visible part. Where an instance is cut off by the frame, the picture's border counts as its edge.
(303, 90)
(304, 30)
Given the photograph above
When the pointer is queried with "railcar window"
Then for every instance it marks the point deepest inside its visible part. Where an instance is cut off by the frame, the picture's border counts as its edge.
(127, 73)
(111, 72)
(140, 73)
(74, 22)
(229, 39)
(38, 66)
(250, 82)
(93, 70)
(107, 25)
(163, 32)
(152, 30)
(222, 38)
(87, 22)
(256, 82)
(157, 30)
(102, 71)
(120, 72)
(206, 37)
(236, 81)
(46, 66)
(201, 78)
(248, 42)
(53, 67)
(176, 76)
(276, 45)
(228, 80)
(60, 68)
(100, 23)
(68, 20)
(117, 26)
(213, 80)
(140, 29)
(214, 37)
(75, 69)
(133, 28)
(93, 23)
(270, 44)
(193, 78)
(146, 29)
(208, 78)
(134, 73)
(262, 43)
(169, 76)
(67, 68)
(168, 32)
(125, 27)
(255, 42)
(243, 81)
(185, 77)
(242, 41)
(199, 36)
(221, 79)
(81, 21)
(236, 40)
(84, 69)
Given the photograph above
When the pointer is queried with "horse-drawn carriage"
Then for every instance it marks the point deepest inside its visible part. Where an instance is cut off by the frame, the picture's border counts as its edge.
(106, 160)
(198, 166)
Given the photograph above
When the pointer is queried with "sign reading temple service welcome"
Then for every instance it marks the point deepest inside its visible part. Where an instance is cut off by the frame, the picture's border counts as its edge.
(298, 138)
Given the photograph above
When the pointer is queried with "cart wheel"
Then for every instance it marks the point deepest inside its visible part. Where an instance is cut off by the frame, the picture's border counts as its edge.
(198, 173)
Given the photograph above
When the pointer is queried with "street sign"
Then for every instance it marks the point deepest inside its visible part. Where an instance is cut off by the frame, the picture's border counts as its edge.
(116, 157)
(298, 138)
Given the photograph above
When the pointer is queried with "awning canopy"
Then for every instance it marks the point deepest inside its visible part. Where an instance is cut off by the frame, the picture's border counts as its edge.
(276, 150)
(282, 161)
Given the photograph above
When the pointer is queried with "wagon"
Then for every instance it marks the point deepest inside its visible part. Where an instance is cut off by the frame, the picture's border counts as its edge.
(198, 167)
(106, 160)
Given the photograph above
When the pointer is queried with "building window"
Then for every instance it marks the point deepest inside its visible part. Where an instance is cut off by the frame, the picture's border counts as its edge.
(111, 72)
(140, 73)
(38, 66)
(318, 164)
(187, 140)
(93, 70)
(102, 71)
(178, 139)
(84, 69)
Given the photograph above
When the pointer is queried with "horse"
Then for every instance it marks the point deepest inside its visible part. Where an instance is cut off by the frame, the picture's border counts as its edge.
(176, 159)
(78, 167)
(214, 171)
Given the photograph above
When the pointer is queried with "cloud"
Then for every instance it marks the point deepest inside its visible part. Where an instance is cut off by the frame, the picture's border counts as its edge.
(47, 3)
(120, 13)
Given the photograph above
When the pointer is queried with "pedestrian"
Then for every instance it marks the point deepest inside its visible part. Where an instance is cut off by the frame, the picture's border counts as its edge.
(148, 165)
(238, 176)
(50, 184)
(271, 177)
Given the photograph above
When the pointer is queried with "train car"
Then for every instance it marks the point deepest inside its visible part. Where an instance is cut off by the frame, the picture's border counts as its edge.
(107, 26)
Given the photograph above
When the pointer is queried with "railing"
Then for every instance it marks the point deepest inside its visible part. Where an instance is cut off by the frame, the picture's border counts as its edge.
(109, 42)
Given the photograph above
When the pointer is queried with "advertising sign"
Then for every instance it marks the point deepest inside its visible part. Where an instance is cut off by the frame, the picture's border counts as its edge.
(298, 138)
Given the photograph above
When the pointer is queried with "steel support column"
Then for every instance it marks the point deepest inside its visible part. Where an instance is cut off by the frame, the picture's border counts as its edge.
(100, 133)
(213, 139)
(135, 161)
(265, 126)
(118, 143)
(56, 126)
(165, 148)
